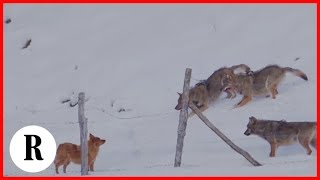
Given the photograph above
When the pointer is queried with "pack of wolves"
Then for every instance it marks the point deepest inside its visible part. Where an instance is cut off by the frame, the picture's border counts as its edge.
(248, 83)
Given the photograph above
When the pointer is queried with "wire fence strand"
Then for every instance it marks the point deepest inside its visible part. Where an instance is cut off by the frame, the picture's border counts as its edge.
(132, 117)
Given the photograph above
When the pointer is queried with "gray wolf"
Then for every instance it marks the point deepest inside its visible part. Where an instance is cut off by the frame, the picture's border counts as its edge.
(68, 152)
(261, 82)
(209, 90)
(280, 133)
(197, 95)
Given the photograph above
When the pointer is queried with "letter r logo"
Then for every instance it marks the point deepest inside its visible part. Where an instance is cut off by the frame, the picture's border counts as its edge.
(32, 148)
(29, 147)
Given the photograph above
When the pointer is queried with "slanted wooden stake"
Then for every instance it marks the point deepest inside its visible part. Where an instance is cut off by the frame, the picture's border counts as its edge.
(83, 135)
(183, 118)
(223, 137)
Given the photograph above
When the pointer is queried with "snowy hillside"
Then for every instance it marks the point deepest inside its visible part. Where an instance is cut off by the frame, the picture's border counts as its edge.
(130, 61)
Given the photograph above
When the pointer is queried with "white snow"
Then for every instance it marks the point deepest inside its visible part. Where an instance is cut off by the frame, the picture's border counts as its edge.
(134, 57)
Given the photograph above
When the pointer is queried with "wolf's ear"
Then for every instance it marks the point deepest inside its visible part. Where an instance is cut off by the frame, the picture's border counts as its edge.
(91, 136)
(252, 119)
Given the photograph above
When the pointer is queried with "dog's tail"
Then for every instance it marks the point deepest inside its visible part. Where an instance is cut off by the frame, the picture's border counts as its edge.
(296, 72)
(59, 149)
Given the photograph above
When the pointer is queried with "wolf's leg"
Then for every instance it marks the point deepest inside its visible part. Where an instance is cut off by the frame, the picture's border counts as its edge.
(65, 166)
(271, 87)
(274, 91)
(273, 149)
(305, 143)
(276, 86)
(313, 142)
(231, 94)
(271, 90)
(244, 101)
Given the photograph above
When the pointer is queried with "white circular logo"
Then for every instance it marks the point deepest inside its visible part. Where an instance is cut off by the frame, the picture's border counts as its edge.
(32, 149)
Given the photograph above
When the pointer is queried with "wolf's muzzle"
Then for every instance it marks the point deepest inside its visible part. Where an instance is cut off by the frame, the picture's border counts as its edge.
(247, 132)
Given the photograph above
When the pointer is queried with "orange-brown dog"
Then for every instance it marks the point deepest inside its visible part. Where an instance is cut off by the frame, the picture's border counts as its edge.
(68, 152)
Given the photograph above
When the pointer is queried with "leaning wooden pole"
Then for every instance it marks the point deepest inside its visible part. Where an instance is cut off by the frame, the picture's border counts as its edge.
(83, 135)
(223, 137)
(183, 118)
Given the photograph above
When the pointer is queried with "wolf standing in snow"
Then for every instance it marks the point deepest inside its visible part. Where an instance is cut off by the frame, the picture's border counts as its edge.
(280, 133)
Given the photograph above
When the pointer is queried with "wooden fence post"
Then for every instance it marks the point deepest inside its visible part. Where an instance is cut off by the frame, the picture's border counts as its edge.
(83, 134)
(183, 118)
(223, 137)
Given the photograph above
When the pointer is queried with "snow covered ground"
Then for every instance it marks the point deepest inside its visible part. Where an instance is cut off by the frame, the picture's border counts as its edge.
(133, 57)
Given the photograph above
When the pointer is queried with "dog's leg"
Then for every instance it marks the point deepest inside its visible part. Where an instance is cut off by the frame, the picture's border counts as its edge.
(244, 101)
(57, 169)
(57, 164)
(91, 167)
(65, 166)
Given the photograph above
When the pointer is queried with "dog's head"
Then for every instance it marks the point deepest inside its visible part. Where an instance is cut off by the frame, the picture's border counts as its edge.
(96, 140)
(179, 105)
(251, 126)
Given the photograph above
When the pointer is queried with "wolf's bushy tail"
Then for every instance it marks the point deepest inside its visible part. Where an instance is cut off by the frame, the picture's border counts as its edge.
(296, 72)
(243, 67)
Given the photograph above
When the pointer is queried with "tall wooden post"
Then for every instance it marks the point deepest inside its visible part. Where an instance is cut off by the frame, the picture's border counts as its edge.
(183, 118)
(83, 134)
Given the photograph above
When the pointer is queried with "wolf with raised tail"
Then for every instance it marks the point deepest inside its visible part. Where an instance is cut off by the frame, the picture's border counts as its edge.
(263, 82)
